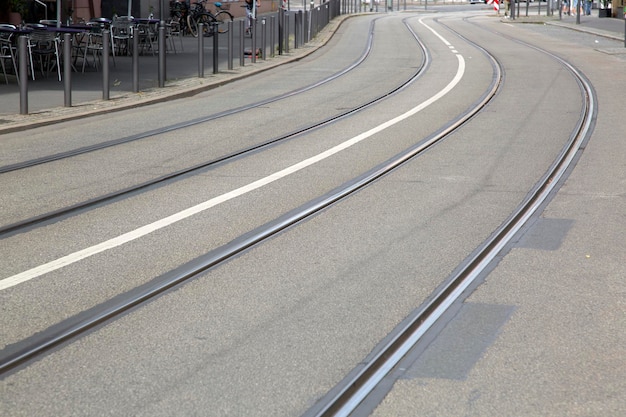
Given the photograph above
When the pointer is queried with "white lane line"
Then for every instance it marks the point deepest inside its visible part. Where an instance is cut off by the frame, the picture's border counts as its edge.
(167, 221)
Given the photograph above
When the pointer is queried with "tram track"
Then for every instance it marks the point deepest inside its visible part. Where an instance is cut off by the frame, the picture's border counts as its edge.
(56, 215)
(458, 285)
(346, 398)
(27, 350)
(200, 120)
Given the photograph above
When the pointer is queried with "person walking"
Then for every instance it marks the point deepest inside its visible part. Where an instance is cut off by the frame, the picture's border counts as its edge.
(249, 15)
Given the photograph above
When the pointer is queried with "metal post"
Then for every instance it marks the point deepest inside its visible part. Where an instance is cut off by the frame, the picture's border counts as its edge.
(230, 45)
(135, 62)
(281, 23)
(67, 68)
(106, 50)
(22, 53)
(216, 48)
(272, 34)
(263, 39)
(253, 31)
(162, 53)
(242, 58)
(528, 5)
(287, 32)
(200, 50)
(296, 28)
(306, 26)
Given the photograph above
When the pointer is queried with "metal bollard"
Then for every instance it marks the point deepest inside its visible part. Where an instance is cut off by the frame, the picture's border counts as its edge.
(216, 48)
(67, 68)
(23, 61)
(263, 39)
(230, 45)
(162, 53)
(200, 50)
(242, 58)
(106, 51)
(281, 31)
(296, 29)
(287, 33)
(135, 62)
(272, 36)
(307, 26)
(253, 49)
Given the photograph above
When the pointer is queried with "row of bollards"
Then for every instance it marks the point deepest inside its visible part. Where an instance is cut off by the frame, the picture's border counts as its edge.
(67, 70)
(303, 26)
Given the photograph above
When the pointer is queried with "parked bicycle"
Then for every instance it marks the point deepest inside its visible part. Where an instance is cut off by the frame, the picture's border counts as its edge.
(179, 10)
(212, 22)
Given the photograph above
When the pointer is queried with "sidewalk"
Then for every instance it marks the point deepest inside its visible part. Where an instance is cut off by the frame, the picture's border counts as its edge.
(611, 28)
(46, 95)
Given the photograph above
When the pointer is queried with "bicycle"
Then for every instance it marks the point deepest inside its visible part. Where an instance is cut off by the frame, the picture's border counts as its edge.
(212, 22)
(179, 10)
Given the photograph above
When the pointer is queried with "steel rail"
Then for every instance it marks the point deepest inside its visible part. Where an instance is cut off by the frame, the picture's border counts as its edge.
(189, 123)
(45, 340)
(80, 207)
(345, 399)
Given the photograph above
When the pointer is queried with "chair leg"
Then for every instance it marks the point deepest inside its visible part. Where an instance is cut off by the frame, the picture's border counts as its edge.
(4, 71)
(32, 66)
(56, 46)
(84, 58)
(14, 60)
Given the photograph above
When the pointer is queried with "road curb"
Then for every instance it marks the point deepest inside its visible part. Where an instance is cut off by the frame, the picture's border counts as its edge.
(172, 91)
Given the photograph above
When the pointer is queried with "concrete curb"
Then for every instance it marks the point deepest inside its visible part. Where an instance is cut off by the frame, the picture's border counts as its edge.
(172, 91)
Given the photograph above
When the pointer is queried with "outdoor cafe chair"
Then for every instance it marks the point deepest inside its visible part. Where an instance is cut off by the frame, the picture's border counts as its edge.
(43, 47)
(173, 29)
(147, 37)
(8, 51)
(121, 34)
(94, 46)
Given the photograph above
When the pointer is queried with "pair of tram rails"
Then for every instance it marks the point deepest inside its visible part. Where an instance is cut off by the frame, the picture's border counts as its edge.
(344, 399)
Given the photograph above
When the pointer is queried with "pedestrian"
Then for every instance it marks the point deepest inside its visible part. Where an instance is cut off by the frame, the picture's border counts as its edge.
(588, 7)
(249, 15)
(507, 8)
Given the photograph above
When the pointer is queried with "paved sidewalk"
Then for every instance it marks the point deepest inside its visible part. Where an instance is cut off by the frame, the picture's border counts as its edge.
(606, 27)
(46, 96)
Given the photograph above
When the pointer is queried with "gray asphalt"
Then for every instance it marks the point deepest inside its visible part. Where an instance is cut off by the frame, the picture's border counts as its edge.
(543, 335)
(529, 360)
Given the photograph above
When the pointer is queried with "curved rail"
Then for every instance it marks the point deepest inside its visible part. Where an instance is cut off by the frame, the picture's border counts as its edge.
(197, 121)
(73, 327)
(56, 215)
(344, 399)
